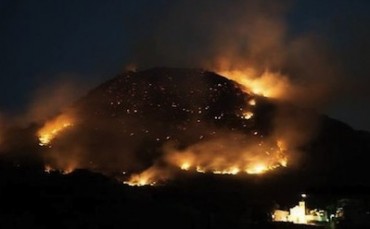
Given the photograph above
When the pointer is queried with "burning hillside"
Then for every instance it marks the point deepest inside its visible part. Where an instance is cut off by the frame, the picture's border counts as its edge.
(143, 126)
(52, 128)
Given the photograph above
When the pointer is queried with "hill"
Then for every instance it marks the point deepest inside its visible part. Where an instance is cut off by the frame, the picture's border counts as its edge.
(152, 122)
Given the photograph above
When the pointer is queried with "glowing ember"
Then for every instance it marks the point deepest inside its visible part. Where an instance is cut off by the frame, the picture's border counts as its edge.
(284, 162)
(48, 169)
(281, 144)
(252, 102)
(185, 166)
(200, 169)
(247, 115)
(67, 170)
(52, 128)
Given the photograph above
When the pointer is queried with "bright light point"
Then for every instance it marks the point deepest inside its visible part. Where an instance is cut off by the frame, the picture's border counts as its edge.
(185, 166)
(284, 162)
(257, 169)
(247, 115)
(67, 171)
(200, 169)
(252, 102)
(48, 169)
(303, 195)
(234, 171)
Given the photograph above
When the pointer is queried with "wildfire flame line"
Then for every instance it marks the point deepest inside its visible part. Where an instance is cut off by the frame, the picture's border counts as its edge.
(255, 168)
(52, 128)
(267, 84)
(216, 164)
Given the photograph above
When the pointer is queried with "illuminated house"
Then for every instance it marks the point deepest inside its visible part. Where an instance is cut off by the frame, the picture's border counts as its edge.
(300, 215)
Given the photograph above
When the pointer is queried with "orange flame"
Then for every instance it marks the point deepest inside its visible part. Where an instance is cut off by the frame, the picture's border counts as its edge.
(52, 128)
(185, 166)
(247, 115)
(257, 169)
(220, 158)
(264, 83)
(267, 84)
(252, 102)
(148, 177)
(48, 169)
(67, 170)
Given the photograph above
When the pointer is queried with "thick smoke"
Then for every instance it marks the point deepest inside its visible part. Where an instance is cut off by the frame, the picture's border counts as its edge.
(19, 132)
(242, 36)
(236, 36)
(250, 38)
(296, 127)
(54, 98)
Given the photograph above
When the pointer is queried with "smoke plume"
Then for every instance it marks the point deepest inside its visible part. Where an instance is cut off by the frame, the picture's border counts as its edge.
(214, 125)
(53, 98)
(18, 132)
(242, 36)
(249, 42)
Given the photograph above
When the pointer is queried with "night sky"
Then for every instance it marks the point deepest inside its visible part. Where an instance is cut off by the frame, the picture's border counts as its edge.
(88, 42)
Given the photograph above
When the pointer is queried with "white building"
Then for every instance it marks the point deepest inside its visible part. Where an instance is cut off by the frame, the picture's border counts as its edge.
(300, 215)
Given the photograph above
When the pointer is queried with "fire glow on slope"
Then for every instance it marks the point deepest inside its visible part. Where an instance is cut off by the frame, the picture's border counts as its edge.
(231, 151)
(66, 170)
(219, 156)
(229, 156)
(53, 127)
(267, 84)
(150, 176)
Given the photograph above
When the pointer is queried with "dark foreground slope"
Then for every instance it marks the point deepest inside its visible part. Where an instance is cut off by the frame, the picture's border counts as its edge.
(83, 199)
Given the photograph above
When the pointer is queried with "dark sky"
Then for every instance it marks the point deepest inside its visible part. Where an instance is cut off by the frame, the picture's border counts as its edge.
(91, 41)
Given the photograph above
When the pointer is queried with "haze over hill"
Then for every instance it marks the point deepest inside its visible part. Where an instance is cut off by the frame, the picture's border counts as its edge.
(237, 132)
(186, 131)
(144, 127)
